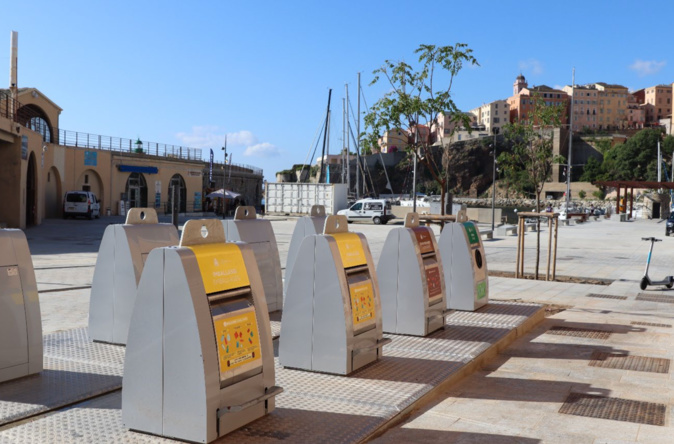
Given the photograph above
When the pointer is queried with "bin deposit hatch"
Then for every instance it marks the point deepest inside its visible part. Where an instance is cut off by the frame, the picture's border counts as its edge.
(121, 258)
(411, 281)
(332, 317)
(465, 263)
(20, 321)
(246, 227)
(199, 359)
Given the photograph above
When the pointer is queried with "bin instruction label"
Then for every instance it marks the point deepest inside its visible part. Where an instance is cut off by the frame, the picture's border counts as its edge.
(221, 265)
(350, 249)
(238, 340)
(433, 282)
(362, 302)
(423, 235)
(481, 290)
(471, 231)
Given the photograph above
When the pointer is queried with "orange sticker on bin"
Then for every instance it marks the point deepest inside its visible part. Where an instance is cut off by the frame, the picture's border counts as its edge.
(350, 249)
(221, 265)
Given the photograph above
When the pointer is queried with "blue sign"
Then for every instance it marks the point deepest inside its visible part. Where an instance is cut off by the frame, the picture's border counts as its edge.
(24, 147)
(91, 158)
(197, 201)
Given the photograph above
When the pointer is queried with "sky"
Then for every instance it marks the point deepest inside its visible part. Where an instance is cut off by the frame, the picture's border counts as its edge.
(258, 73)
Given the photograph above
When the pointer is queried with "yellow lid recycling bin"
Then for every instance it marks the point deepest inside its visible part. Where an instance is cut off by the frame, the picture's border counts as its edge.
(199, 359)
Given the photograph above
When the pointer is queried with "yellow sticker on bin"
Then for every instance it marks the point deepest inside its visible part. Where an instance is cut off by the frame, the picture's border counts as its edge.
(238, 340)
(362, 302)
(350, 249)
(221, 265)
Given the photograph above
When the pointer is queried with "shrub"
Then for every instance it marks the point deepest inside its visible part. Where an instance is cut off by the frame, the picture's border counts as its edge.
(582, 194)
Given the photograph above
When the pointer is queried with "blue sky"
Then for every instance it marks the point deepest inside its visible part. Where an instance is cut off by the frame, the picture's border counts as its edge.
(189, 73)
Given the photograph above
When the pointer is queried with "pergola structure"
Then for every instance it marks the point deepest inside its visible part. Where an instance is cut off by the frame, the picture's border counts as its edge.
(631, 185)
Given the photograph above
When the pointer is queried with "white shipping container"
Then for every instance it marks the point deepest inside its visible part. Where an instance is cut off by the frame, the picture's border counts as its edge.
(298, 198)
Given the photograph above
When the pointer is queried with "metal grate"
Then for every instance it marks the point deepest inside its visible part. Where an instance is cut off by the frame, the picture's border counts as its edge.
(616, 409)
(652, 297)
(580, 332)
(607, 296)
(629, 362)
(651, 324)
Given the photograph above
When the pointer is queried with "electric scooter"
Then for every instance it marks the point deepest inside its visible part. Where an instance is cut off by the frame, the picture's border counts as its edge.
(668, 281)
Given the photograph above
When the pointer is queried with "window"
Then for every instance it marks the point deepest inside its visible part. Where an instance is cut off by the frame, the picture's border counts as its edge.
(356, 207)
(86, 178)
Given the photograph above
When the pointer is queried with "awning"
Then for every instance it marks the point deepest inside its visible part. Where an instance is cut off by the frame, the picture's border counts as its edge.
(137, 169)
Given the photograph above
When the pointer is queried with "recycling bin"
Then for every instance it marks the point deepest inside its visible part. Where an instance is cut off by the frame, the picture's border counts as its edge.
(465, 266)
(20, 321)
(305, 226)
(199, 360)
(332, 317)
(411, 281)
(121, 258)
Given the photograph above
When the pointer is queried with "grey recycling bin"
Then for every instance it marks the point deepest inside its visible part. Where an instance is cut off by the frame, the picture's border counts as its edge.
(199, 360)
(305, 226)
(411, 281)
(20, 321)
(121, 258)
(332, 316)
(465, 266)
(259, 234)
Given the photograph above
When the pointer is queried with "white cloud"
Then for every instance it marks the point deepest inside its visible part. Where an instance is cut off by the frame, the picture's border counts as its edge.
(647, 67)
(533, 66)
(202, 137)
(262, 150)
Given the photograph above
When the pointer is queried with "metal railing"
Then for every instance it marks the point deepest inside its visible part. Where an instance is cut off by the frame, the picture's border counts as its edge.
(110, 143)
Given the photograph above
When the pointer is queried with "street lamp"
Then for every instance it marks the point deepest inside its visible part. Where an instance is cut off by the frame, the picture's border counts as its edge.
(495, 131)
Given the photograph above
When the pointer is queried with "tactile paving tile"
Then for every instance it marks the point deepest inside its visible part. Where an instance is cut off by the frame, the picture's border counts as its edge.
(616, 409)
(501, 314)
(465, 341)
(651, 324)
(629, 362)
(75, 369)
(62, 382)
(75, 345)
(579, 332)
(654, 297)
(606, 296)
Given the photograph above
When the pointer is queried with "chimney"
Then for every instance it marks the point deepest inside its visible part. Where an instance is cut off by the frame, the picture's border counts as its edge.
(13, 86)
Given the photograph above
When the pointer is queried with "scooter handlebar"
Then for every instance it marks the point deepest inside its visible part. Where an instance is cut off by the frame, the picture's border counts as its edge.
(652, 239)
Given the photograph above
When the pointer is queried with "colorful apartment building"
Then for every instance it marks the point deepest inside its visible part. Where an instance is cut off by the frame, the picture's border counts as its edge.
(394, 140)
(522, 103)
(613, 106)
(491, 115)
(585, 107)
(656, 102)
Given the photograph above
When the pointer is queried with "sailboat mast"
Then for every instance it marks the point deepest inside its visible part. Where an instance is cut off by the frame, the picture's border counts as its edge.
(325, 136)
(343, 140)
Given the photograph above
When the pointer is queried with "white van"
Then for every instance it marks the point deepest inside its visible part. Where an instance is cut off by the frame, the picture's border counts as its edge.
(376, 210)
(81, 203)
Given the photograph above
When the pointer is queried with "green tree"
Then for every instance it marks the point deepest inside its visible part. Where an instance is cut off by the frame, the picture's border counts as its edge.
(592, 170)
(414, 99)
(528, 165)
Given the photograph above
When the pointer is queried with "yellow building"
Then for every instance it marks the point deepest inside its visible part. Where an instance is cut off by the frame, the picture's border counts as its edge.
(39, 163)
(613, 106)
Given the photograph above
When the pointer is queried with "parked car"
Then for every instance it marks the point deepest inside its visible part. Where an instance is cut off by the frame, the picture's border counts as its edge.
(81, 203)
(669, 226)
(376, 210)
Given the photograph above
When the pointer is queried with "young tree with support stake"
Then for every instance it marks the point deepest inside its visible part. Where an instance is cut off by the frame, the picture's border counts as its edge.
(528, 165)
(415, 100)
